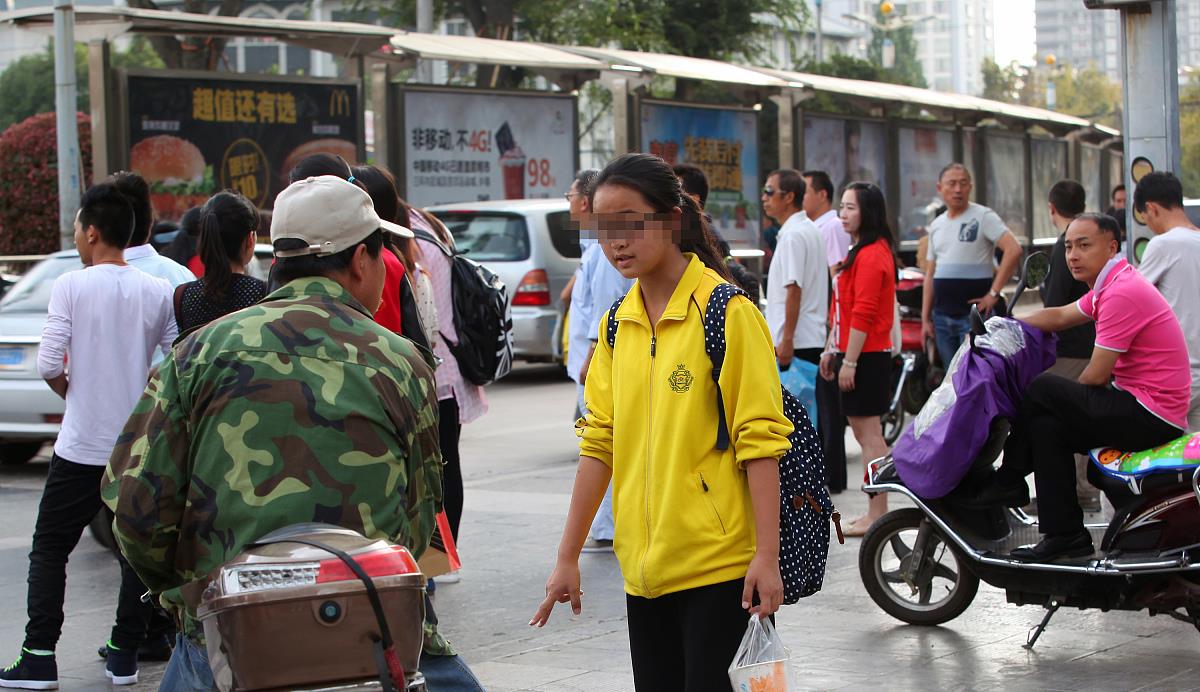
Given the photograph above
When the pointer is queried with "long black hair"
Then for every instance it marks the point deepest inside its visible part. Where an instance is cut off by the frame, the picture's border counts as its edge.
(657, 183)
(183, 248)
(873, 222)
(225, 221)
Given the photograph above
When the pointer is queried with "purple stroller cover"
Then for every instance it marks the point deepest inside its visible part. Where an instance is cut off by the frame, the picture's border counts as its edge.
(934, 453)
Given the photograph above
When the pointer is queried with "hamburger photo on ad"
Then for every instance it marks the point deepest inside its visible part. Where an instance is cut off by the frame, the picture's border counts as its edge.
(176, 171)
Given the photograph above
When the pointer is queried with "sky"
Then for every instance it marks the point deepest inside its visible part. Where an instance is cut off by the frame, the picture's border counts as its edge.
(1014, 31)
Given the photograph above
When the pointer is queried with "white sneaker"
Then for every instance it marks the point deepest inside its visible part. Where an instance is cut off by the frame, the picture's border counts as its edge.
(449, 578)
(597, 545)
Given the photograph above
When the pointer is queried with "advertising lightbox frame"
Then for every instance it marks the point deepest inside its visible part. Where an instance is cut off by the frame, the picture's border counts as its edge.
(399, 91)
(118, 136)
(636, 140)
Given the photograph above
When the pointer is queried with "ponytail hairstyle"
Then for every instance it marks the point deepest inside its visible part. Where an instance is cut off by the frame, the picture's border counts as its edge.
(225, 221)
(380, 185)
(657, 183)
(873, 223)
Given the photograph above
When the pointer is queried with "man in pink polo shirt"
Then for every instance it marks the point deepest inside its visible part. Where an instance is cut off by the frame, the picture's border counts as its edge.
(1133, 394)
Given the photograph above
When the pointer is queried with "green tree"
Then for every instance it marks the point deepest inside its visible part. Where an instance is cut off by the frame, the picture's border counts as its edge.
(1002, 83)
(907, 67)
(716, 29)
(27, 85)
(1087, 93)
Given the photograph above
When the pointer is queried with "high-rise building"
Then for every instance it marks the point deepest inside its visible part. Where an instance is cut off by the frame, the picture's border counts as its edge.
(953, 44)
(1083, 38)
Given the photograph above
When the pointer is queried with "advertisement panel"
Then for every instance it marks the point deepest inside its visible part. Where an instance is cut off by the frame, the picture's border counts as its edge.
(1006, 166)
(923, 154)
(723, 142)
(1049, 167)
(848, 150)
(469, 145)
(192, 135)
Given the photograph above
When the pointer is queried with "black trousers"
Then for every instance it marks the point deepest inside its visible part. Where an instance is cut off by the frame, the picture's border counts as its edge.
(70, 501)
(1060, 417)
(449, 431)
(685, 641)
(831, 424)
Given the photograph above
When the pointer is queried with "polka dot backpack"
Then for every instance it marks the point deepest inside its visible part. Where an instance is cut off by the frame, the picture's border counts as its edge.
(805, 508)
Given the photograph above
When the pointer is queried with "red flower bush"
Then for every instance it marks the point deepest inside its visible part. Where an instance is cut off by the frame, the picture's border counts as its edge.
(29, 183)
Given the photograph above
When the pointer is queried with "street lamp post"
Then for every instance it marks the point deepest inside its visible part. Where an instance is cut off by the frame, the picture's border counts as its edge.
(887, 26)
(66, 127)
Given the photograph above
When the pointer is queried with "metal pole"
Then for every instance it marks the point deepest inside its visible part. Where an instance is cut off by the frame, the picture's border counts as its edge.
(425, 26)
(66, 126)
(1151, 114)
(820, 36)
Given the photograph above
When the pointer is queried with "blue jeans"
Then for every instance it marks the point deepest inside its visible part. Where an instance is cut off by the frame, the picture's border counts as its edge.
(950, 331)
(188, 671)
(448, 674)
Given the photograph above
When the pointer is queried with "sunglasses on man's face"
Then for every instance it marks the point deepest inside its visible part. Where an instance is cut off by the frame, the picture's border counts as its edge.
(768, 191)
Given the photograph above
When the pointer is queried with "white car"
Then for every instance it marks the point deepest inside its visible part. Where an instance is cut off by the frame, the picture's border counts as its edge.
(532, 246)
(30, 413)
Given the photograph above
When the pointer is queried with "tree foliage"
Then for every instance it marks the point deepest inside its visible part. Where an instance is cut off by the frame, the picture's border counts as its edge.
(907, 67)
(1085, 93)
(27, 85)
(191, 52)
(716, 29)
(29, 183)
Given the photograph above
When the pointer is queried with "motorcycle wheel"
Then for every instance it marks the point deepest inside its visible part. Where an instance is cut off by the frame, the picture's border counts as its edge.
(943, 587)
(893, 424)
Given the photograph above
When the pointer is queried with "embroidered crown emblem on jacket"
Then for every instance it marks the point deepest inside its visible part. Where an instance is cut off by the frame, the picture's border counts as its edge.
(681, 379)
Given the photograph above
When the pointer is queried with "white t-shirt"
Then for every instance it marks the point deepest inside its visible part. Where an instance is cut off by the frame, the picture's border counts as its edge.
(109, 321)
(800, 259)
(837, 240)
(1172, 263)
(963, 247)
(146, 258)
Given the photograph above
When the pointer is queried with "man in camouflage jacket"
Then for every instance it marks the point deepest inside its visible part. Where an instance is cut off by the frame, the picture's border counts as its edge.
(298, 409)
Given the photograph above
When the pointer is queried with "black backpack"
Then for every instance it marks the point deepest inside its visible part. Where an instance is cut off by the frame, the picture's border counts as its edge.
(481, 317)
(805, 508)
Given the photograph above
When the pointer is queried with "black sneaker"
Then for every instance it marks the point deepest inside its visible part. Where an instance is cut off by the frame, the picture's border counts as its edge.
(31, 672)
(121, 665)
(157, 649)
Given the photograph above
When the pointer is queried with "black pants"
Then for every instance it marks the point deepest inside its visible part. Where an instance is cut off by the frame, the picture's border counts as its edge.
(449, 431)
(831, 424)
(1060, 417)
(69, 503)
(685, 641)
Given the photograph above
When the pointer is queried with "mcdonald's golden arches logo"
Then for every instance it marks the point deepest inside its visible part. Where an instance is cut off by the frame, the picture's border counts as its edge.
(339, 103)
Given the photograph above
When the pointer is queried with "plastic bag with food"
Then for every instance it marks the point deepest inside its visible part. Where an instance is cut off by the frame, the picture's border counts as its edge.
(761, 661)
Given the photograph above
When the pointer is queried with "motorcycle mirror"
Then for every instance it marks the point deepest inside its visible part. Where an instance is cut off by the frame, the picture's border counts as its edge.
(1037, 267)
(977, 326)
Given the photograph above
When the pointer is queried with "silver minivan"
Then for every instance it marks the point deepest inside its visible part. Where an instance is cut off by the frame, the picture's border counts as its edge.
(532, 246)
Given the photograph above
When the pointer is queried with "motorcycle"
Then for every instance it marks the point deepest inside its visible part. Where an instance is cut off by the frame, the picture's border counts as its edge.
(316, 607)
(923, 564)
(914, 372)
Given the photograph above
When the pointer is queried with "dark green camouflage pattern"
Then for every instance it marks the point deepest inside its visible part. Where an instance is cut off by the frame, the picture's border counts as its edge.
(298, 409)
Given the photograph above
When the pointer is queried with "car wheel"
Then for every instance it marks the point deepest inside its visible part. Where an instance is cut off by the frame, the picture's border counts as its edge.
(17, 453)
(101, 530)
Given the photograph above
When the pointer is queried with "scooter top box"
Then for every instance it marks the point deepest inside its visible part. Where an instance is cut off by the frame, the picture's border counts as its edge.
(286, 616)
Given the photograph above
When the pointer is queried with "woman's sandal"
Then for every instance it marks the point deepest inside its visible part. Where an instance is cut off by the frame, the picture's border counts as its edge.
(858, 528)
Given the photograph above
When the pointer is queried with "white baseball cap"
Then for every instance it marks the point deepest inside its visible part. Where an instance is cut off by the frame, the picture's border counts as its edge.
(328, 214)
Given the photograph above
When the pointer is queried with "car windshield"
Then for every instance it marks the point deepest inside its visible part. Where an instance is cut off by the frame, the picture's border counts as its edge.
(32, 292)
(488, 236)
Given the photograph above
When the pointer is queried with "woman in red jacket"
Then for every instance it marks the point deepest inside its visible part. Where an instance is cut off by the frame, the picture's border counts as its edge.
(859, 352)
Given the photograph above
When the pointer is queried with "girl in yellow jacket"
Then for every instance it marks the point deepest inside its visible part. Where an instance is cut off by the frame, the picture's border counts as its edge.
(697, 529)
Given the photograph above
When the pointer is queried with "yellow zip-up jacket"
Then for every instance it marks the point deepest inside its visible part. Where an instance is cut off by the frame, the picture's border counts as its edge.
(682, 509)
